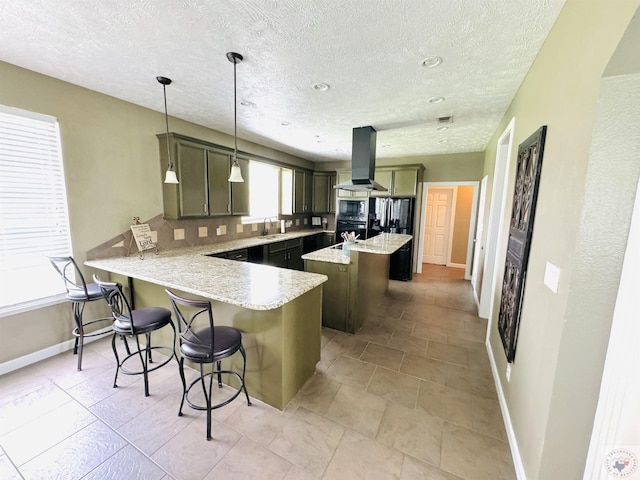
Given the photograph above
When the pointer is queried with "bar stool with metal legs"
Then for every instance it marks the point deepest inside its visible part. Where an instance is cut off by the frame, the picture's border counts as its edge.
(133, 323)
(79, 293)
(203, 343)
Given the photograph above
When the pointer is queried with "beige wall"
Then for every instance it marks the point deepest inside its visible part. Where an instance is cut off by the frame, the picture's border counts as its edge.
(460, 240)
(112, 173)
(455, 167)
(555, 378)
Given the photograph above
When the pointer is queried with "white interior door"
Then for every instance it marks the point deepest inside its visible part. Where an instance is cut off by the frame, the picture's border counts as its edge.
(478, 251)
(497, 224)
(437, 226)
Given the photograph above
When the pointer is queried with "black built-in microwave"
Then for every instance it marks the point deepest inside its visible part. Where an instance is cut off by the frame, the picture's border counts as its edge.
(352, 210)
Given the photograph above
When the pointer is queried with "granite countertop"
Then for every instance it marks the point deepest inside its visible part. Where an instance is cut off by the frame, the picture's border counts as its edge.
(383, 244)
(248, 285)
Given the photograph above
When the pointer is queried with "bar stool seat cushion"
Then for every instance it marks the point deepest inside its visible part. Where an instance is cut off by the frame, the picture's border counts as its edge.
(227, 341)
(145, 319)
(93, 290)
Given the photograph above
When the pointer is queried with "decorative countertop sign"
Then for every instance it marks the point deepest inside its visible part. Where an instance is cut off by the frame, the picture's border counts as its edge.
(143, 237)
(142, 234)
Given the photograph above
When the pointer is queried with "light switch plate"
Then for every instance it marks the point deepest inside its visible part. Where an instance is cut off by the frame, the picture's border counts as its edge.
(552, 277)
(203, 232)
(178, 234)
(239, 228)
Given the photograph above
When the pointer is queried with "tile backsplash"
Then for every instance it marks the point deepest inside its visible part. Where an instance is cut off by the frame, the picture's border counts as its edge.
(187, 233)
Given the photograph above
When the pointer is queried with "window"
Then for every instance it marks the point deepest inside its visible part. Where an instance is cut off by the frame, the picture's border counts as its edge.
(286, 205)
(264, 191)
(33, 210)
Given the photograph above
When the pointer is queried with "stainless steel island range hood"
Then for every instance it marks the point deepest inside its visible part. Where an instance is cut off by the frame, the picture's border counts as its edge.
(363, 161)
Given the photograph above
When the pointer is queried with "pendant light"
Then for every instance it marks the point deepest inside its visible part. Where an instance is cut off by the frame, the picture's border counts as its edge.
(170, 177)
(236, 173)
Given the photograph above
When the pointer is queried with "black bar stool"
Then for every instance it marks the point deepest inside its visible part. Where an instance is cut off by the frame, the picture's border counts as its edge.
(203, 344)
(133, 323)
(79, 293)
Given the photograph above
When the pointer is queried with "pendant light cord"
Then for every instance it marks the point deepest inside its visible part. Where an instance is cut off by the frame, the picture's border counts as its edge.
(166, 119)
(235, 117)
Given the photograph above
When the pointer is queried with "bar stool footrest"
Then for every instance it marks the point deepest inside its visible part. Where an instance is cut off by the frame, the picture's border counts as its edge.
(156, 366)
(107, 320)
(198, 380)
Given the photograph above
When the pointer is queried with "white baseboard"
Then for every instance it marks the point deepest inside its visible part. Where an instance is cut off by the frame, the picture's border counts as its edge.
(511, 435)
(475, 297)
(457, 265)
(45, 353)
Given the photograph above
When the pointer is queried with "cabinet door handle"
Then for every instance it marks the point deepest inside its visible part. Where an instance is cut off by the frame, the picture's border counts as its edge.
(204, 207)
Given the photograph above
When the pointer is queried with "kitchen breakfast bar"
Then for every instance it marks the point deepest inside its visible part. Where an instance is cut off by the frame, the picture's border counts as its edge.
(278, 310)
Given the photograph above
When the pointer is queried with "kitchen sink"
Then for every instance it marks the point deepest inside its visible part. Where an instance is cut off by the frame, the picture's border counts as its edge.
(275, 235)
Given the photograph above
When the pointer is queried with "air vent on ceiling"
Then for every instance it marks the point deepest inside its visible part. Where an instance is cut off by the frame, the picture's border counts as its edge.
(445, 120)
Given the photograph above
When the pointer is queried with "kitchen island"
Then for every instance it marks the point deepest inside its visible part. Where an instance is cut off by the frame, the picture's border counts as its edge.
(278, 310)
(357, 281)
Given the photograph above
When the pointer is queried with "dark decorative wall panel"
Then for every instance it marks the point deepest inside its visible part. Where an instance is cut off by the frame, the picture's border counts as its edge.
(523, 210)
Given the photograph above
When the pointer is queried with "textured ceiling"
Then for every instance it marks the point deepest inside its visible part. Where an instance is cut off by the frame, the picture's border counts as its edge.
(369, 52)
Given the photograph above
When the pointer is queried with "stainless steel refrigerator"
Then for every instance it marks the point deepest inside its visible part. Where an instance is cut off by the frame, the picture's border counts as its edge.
(394, 215)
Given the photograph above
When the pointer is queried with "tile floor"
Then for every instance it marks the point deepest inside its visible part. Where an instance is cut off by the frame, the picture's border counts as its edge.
(410, 396)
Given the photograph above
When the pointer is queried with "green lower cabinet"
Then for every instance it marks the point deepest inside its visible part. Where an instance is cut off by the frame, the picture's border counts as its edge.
(352, 294)
(286, 254)
(335, 294)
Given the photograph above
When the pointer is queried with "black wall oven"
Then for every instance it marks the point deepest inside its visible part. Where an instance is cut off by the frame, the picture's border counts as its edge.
(351, 216)
(358, 228)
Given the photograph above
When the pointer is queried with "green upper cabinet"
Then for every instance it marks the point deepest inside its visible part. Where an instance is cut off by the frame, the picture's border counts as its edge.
(384, 178)
(302, 191)
(345, 176)
(203, 171)
(190, 163)
(405, 181)
(308, 191)
(333, 193)
(399, 181)
(218, 166)
(323, 192)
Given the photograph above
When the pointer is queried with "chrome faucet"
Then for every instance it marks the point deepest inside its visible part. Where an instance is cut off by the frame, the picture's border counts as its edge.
(265, 230)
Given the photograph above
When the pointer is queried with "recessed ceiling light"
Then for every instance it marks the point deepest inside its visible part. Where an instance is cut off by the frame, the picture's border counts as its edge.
(321, 87)
(386, 145)
(436, 100)
(285, 124)
(443, 140)
(247, 103)
(431, 62)
(442, 128)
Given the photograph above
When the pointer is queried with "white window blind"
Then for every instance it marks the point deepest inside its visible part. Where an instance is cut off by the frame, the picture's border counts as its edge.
(33, 209)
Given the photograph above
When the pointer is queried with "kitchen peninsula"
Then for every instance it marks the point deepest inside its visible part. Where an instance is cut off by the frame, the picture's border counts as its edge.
(278, 310)
(357, 281)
